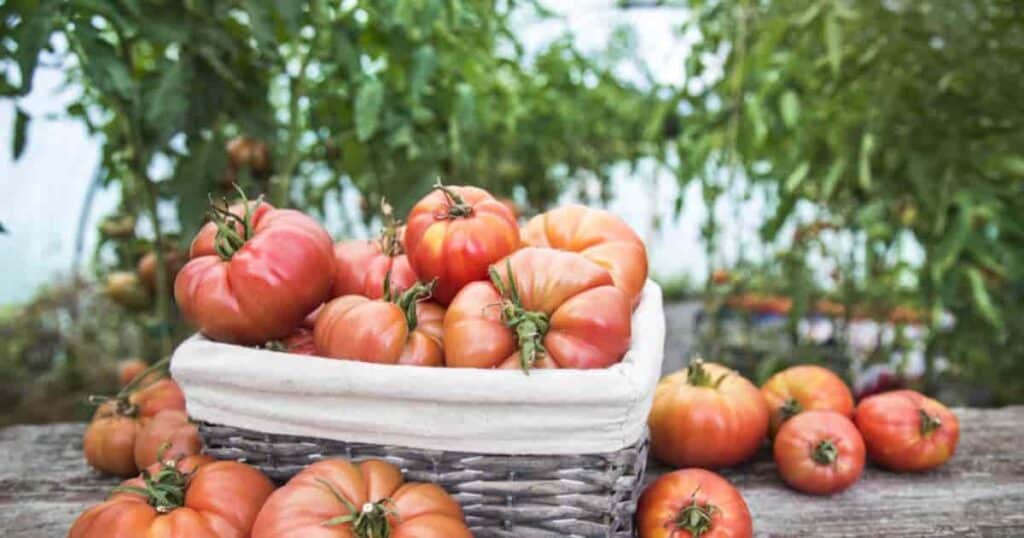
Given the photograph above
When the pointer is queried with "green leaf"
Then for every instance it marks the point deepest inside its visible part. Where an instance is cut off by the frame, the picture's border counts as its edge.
(753, 108)
(789, 104)
(834, 42)
(809, 14)
(797, 176)
(835, 172)
(369, 98)
(1012, 164)
(21, 120)
(982, 299)
(867, 148)
(424, 63)
(165, 105)
(953, 241)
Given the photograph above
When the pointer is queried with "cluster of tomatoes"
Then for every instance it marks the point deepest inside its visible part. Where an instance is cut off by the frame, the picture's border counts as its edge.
(708, 416)
(461, 284)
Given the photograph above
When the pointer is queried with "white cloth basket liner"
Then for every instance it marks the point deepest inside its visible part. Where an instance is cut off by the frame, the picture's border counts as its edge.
(453, 409)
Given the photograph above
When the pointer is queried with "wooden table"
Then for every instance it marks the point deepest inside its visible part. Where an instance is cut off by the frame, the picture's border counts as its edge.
(44, 484)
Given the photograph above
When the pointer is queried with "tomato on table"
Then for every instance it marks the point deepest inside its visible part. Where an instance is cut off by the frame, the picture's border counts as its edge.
(907, 431)
(255, 273)
(694, 503)
(707, 416)
(454, 234)
(600, 236)
(819, 452)
(543, 308)
(195, 497)
(396, 329)
(803, 388)
(168, 435)
(336, 498)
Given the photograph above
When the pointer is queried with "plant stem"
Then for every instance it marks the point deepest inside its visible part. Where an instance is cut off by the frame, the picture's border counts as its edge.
(280, 185)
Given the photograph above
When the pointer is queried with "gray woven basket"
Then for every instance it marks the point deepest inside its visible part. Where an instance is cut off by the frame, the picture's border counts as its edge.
(590, 495)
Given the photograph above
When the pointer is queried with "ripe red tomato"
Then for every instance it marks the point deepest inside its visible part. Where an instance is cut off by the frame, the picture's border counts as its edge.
(255, 274)
(406, 329)
(168, 436)
(543, 308)
(300, 342)
(174, 260)
(907, 431)
(369, 499)
(454, 233)
(693, 502)
(819, 452)
(195, 497)
(600, 236)
(708, 416)
(109, 441)
(362, 266)
(802, 388)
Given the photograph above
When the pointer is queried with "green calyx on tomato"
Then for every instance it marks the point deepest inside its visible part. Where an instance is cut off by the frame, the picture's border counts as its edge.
(695, 518)
(697, 376)
(163, 490)
(457, 207)
(929, 423)
(789, 409)
(406, 301)
(825, 452)
(390, 243)
(122, 400)
(530, 327)
(229, 238)
(368, 521)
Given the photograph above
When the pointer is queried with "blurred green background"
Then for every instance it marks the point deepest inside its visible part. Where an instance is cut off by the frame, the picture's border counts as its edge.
(827, 171)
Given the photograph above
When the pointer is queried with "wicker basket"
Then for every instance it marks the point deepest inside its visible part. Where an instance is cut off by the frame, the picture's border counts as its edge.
(558, 453)
(502, 496)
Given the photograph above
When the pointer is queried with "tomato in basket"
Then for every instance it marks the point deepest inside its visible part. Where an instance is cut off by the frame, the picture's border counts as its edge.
(454, 234)
(255, 273)
(361, 266)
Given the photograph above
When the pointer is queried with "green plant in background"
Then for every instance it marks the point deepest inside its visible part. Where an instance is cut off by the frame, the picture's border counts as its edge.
(899, 121)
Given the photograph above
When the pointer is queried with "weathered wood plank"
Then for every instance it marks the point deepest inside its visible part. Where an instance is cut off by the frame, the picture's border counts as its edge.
(44, 484)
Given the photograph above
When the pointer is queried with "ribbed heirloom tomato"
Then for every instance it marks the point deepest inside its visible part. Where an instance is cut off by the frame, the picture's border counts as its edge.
(543, 308)
(708, 416)
(195, 497)
(109, 441)
(907, 431)
(819, 452)
(693, 503)
(454, 233)
(362, 266)
(403, 329)
(168, 434)
(802, 388)
(255, 272)
(600, 236)
(338, 499)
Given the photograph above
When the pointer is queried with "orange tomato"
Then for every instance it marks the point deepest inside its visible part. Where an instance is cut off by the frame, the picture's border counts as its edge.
(907, 431)
(195, 497)
(405, 330)
(693, 502)
(600, 236)
(543, 308)
(168, 435)
(454, 234)
(802, 388)
(708, 416)
(129, 369)
(335, 498)
(819, 452)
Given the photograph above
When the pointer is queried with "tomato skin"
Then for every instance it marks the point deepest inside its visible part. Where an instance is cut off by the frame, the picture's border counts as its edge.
(300, 342)
(357, 328)
(458, 250)
(222, 499)
(661, 503)
(362, 266)
(129, 369)
(893, 425)
(263, 292)
(795, 449)
(174, 260)
(300, 507)
(170, 426)
(809, 387)
(589, 318)
(109, 441)
(600, 236)
(705, 426)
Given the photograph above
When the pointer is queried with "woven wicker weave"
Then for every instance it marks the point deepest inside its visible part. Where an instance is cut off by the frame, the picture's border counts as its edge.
(591, 495)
